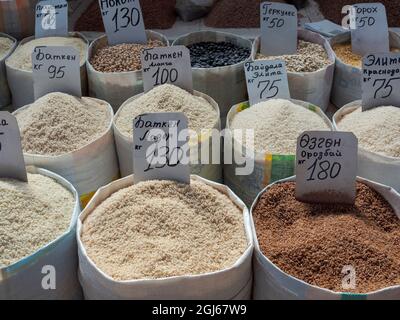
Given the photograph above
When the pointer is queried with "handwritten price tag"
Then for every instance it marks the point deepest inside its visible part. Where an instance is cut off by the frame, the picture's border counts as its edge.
(167, 65)
(266, 79)
(278, 29)
(51, 19)
(161, 147)
(123, 21)
(56, 69)
(381, 80)
(369, 28)
(12, 164)
(326, 167)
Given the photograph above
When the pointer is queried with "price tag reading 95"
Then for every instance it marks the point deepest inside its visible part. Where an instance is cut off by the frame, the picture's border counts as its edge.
(123, 21)
(167, 65)
(266, 79)
(12, 164)
(326, 167)
(278, 28)
(161, 147)
(369, 28)
(56, 69)
(381, 80)
(51, 19)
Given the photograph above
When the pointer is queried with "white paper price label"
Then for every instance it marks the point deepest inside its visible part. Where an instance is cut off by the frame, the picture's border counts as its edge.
(51, 19)
(278, 29)
(123, 21)
(369, 28)
(161, 147)
(326, 167)
(381, 80)
(266, 79)
(56, 69)
(12, 164)
(167, 65)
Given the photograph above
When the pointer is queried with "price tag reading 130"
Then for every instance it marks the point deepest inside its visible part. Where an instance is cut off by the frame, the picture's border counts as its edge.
(123, 21)
(56, 69)
(381, 80)
(51, 19)
(326, 167)
(161, 147)
(266, 79)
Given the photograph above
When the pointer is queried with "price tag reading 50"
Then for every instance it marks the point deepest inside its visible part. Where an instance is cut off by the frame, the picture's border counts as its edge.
(326, 167)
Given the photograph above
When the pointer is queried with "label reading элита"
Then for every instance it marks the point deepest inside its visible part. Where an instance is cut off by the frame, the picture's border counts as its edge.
(161, 147)
(326, 167)
(167, 65)
(123, 21)
(278, 29)
(51, 19)
(381, 80)
(12, 164)
(369, 28)
(56, 69)
(266, 79)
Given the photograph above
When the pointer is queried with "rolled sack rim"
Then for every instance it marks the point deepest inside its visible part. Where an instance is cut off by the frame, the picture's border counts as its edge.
(262, 258)
(152, 35)
(305, 35)
(128, 181)
(180, 39)
(346, 38)
(73, 34)
(343, 112)
(129, 140)
(10, 270)
(13, 47)
(234, 110)
(66, 155)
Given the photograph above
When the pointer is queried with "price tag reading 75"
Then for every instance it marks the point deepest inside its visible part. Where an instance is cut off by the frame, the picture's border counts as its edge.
(326, 167)
(381, 80)
(266, 79)
(123, 21)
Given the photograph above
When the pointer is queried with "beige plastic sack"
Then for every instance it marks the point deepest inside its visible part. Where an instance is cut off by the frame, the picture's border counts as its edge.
(226, 85)
(124, 147)
(271, 283)
(87, 168)
(5, 95)
(267, 167)
(314, 87)
(347, 81)
(231, 283)
(23, 279)
(373, 166)
(21, 81)
(116, 87)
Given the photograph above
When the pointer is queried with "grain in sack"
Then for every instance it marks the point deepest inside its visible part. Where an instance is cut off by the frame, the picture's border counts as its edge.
(37, 234)
(72, 137)
(165, 240)
(7, 46)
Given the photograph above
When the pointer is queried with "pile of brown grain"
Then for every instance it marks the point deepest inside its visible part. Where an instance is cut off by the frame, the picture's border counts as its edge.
(313, 242)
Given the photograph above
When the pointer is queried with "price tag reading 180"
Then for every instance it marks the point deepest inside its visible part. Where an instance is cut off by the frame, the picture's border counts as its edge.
(161, 147)
(123, 21)
(51, 18)
(167, 65)
(266, 79)
(56, 69)
(369, 28)
(12, 164)
(381, 80)
(326, 167)
(278, 29)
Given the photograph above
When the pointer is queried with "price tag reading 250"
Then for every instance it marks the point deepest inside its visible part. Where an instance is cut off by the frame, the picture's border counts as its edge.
(123, 21)
(161, 147)
(266, 79)
(326, 167)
